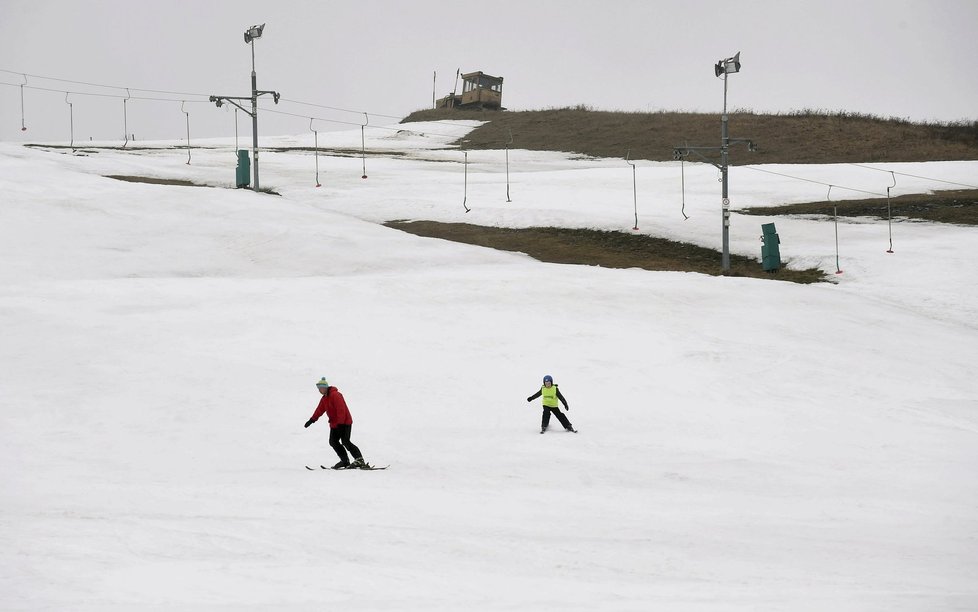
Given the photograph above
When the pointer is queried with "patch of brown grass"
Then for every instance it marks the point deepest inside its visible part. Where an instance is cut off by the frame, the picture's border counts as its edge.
(154, 181)
(809, 137)
(602, 248)
(165, 181)
(959, 206)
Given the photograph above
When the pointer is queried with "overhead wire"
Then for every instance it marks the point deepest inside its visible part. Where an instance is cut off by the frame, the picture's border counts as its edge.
(182, 95)
(342, 110)
(268, 109)
(105, 95)
(89, 84)
(799, 178)
(875, 193)
(926, 178)
(265, 109)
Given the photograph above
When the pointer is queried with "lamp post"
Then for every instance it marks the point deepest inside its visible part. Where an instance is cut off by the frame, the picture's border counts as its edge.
(724, 68)
(250, 35)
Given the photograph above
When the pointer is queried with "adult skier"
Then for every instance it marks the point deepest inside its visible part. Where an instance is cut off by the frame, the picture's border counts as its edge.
(551, 395)
(340, 425)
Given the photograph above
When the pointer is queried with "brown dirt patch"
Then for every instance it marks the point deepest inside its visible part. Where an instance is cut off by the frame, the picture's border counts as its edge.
(827, 138)
(154, 181)
(959, 206)
(602, 248)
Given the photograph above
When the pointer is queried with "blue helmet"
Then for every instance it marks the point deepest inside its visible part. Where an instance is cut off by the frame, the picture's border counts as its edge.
(548, 379)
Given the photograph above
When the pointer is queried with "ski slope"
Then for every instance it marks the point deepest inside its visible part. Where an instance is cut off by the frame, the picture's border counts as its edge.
(744, 444)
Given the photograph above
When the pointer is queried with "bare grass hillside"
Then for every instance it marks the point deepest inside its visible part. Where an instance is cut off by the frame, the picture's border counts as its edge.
(805, 137)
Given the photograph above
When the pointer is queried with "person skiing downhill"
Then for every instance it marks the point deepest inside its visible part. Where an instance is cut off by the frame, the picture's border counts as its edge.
(340, 425)
(551, 395)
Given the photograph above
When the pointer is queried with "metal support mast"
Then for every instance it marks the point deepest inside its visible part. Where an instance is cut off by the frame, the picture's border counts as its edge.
(250, 35)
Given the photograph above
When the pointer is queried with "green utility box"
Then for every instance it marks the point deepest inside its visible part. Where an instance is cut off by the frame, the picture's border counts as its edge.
(770, 251)
(244, 168)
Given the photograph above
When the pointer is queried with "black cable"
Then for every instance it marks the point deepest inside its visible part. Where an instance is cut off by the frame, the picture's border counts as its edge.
(926, 178)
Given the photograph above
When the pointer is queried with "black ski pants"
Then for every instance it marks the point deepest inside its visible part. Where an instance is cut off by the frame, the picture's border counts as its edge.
(339, 439)
(560, 417)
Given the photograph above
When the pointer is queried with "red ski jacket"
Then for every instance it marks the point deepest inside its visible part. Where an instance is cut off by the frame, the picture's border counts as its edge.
(335, 408)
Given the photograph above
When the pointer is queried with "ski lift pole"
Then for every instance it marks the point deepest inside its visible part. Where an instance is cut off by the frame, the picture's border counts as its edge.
(71, 122)
(363, 145)
(315, 149)
(889, 219)
(125, 120)
(835, 216)
(682, 185)
(23, 125)
(509, 142)
(187, 113)
(465, 195)
(634, 188)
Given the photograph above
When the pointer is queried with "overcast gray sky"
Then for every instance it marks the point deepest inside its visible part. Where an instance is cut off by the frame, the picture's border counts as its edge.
(912, 59)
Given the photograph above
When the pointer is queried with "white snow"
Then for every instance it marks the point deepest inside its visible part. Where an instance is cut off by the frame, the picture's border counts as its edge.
(744, 444)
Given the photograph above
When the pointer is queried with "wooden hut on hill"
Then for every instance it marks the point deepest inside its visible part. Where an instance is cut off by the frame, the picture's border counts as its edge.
(479, 90)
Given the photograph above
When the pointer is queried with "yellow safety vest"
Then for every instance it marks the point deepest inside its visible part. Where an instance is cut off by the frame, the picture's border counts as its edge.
(549, 396)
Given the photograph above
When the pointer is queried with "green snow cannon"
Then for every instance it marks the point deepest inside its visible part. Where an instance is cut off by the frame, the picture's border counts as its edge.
(244, 169)
(770, 251)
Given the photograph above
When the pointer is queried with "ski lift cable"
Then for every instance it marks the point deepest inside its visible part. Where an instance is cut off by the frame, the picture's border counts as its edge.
(926, 178)
(104, 95)
(90, 84)
(798, 178)
(181, 94)
(342, 110)
(376, 127)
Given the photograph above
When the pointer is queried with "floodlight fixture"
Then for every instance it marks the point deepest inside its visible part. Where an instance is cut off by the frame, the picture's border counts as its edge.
(253, 32)
(728, 66)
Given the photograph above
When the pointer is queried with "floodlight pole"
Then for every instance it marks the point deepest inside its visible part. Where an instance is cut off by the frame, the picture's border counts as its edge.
(724, 162)
(724, 67)
(250, 35)
(254, 114)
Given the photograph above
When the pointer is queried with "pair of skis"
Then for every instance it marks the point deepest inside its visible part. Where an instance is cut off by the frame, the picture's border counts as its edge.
(351, 467)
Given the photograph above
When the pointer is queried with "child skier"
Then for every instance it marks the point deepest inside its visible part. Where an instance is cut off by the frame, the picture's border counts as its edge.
(551, 394)
(340, 425)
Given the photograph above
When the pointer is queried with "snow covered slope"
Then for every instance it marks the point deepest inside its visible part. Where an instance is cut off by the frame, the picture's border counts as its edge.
(743, 445)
